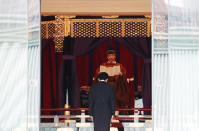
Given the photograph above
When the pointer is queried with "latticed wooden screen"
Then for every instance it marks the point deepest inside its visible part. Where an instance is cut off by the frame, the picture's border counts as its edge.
(84, 29)
(111, 28)
(136, 29)
(94, 28)
(43, 30)
(47, 30)
(51, 30)
(59, 34)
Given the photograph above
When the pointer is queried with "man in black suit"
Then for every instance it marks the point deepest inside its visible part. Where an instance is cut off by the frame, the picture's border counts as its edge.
(102, 103)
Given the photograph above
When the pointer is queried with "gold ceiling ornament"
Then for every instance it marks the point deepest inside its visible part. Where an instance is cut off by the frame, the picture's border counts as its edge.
(110, 17)
(148, 16)
(66, 17)
(59, 34)
(64, 26)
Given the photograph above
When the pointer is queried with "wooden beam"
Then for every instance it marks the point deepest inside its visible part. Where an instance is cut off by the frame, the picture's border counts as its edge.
(96, 13)
(96, 7)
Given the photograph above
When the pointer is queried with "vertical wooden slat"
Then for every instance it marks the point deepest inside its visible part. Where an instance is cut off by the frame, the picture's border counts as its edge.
(71, 27)
(148, 28)
(68, 26)
(123, 28)
(97, 28)
(65, 27)
(46, 30)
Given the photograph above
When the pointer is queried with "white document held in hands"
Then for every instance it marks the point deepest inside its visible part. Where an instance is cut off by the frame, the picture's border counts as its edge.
(111, 71)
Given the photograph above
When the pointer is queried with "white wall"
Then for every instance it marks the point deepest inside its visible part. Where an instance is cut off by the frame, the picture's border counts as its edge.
(175, 66)
(19, 65)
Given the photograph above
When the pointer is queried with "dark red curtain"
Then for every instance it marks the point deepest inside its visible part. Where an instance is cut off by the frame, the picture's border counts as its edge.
(99, 57)
(51, 68)
(140, 62)
(83, 70)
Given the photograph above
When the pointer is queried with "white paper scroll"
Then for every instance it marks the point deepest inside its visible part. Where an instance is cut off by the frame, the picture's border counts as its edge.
(111, 71)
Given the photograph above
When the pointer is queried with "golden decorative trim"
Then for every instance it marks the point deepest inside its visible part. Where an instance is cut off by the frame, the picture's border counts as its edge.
(59, 34)
(123, 28)
(71, 26)
(45, 22)
(110, 17)
(68, 27)
(148, 16)
(109, 20)
(149, 28)
(47, 30)
(65, 28)
(67, 17)
(97, 29)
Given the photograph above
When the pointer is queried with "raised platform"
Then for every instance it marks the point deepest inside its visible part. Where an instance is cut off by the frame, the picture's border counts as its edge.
(84, 122)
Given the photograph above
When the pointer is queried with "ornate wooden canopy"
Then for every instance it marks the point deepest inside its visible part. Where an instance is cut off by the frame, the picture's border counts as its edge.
(65, 26)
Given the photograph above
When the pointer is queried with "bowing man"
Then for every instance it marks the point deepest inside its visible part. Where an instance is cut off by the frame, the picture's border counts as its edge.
(102, 103)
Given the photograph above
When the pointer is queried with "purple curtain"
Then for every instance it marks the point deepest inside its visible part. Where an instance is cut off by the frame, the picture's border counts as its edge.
(81, 46)
(141, 47)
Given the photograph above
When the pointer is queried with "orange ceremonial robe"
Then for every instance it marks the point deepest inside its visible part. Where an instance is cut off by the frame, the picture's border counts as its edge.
(117, 78)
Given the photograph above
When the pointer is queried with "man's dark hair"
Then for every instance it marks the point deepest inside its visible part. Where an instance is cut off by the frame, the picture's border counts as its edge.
(102, 76)
(110, 52)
